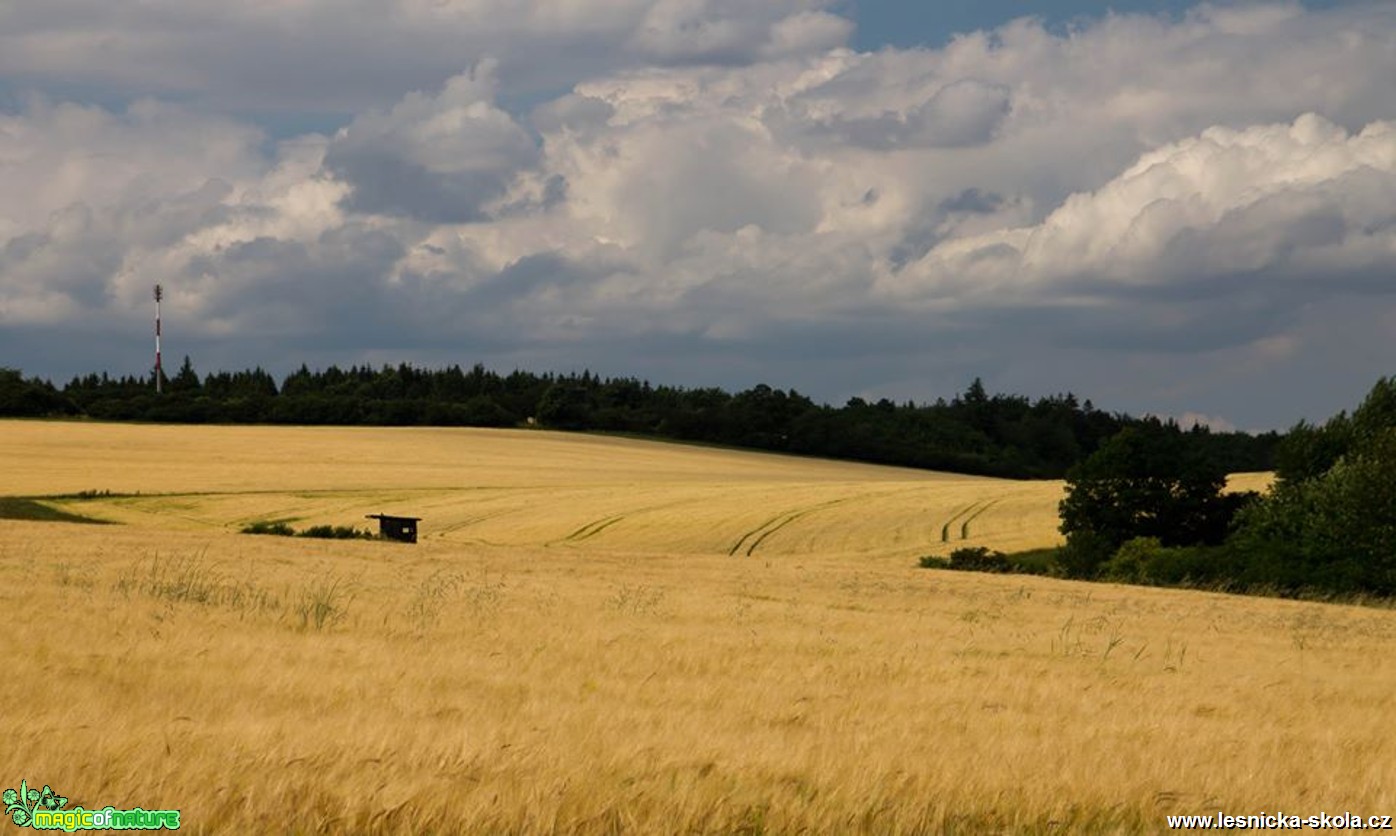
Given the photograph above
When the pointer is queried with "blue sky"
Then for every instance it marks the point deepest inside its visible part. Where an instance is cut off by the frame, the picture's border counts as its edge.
(911, 24)
(1186, 211)
(902, 24)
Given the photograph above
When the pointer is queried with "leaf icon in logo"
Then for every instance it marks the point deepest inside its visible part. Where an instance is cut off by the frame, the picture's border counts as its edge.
(52, 800)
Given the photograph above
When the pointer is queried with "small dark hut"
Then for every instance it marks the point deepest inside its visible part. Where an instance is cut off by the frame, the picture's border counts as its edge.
(403, 529)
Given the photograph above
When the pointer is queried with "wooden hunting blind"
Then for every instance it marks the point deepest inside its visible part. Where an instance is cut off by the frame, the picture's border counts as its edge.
(403, 529)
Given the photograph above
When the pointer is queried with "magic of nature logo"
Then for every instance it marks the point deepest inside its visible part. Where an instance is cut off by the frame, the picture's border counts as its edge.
(45, 810)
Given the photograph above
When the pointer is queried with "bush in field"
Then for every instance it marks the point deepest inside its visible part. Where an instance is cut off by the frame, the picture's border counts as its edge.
(1145, 560)
(1207, 566)
(969, 560)
(1131, 561)
(336, 532)
(322, 532)
(1084, 553)
(979, 559)
(1035, 562)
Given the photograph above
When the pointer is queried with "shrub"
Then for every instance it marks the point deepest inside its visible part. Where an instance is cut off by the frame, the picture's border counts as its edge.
(336, 532)
(1034, 562)
(1084, 553)
(1131, 561)
(1144, 560)
(280, 529)
(979, 559)
(1194, 566)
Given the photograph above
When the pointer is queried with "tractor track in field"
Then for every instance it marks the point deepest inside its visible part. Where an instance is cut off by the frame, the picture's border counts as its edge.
(945, 529)
(600, 524)
(592, 529)
(470, 521)
(964, 526)
(758, 535)
(765, 529)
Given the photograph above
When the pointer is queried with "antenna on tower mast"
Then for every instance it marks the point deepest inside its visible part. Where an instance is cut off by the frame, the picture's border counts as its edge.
(159, 374)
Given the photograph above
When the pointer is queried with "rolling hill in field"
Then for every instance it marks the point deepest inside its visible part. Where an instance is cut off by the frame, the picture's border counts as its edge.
(523, 488)
(600, 635)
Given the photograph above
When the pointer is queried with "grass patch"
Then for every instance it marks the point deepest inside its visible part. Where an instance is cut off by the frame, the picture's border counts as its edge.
(18, 508)
(323, 603)
(318, 604)
(179, 579)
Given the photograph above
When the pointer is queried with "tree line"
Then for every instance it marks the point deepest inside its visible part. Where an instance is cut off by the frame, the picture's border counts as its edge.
(974, 432)
(1143, 509)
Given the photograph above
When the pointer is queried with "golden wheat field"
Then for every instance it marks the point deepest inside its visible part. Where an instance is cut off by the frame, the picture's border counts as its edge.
(611, 636)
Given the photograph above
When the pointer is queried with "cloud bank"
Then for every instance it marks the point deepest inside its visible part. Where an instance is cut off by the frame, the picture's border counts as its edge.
(1167, 215)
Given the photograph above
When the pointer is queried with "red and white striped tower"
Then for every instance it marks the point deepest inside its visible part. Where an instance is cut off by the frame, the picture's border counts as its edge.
(159, 294)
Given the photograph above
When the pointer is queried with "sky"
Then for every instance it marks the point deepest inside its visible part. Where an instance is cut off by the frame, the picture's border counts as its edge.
(1169, 208)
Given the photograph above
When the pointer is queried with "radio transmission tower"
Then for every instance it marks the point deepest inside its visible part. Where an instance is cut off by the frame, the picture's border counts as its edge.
(159, 374)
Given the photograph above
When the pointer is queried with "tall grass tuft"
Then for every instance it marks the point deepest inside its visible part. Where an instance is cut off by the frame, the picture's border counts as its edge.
(323, 603)
(179, 579)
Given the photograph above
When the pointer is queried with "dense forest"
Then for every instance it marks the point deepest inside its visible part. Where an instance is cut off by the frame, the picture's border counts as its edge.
(974, 432)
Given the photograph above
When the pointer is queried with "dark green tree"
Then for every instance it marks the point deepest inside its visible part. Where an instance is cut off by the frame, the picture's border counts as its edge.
(566, 405)
(1307, 451)
(186, 379)
(1330, 523)
(30, 398)
(1147, 481)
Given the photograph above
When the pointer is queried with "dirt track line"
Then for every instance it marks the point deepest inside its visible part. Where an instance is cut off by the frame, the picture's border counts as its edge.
(773, 529)
(605, 524)
(945, 529)
(470, 521)
(586, 530)
(737, 545)
(964, 527)
(781, 520)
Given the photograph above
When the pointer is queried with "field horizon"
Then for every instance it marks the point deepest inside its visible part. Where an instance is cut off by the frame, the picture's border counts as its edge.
(603, 635)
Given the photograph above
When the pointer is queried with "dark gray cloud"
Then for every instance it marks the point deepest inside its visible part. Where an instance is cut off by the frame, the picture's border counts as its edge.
(963, 113)
(343, 56)
(977, 201)
(437, 157)
(1171, 216)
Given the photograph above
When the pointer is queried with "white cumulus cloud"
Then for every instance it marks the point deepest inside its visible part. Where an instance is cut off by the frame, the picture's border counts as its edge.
(717, 185)
(1303, 201)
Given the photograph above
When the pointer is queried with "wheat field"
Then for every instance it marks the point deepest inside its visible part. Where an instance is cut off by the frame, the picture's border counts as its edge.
(611, 636)
(521, 488)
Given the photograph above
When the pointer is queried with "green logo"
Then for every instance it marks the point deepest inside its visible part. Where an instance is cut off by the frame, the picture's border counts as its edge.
(43, 810)
(21, 804)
